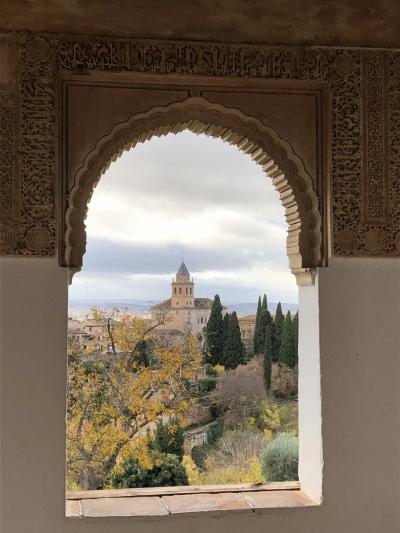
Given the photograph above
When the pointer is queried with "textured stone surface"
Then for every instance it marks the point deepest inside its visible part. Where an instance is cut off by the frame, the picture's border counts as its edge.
(364, 89)
(73, 508)
(129, 503)
(279, 498)
(192, 503)
(140, 506)
(343, 22)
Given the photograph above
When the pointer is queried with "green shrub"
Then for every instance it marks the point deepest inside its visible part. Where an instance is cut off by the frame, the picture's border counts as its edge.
(199, 456)
(276, 418)
(210, 370)
(279, 460)
(215, 432)
(169, 438)
(168, 472)
(206, 385)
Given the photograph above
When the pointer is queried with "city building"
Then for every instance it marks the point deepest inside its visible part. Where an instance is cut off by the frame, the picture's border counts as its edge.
(183, 311)
(247, 326)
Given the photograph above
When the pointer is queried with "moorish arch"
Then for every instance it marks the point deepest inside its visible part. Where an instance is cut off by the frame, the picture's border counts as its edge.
(266, 147)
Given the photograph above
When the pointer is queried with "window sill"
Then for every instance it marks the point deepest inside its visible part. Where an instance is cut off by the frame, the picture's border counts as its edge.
(166, 501)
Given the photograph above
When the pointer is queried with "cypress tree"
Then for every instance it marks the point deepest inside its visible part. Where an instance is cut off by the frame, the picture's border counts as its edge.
(214, 333)
(267, 360)
(296, 337)
(264, 304)
(264, 320)
(279, 321)
(257, 328)
(234, 352)
(287, 353)
(225, 329)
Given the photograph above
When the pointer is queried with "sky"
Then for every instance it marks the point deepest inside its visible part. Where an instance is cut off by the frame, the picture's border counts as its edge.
(185, 195)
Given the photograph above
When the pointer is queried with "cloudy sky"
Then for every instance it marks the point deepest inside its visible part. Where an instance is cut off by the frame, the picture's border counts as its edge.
(187, 194)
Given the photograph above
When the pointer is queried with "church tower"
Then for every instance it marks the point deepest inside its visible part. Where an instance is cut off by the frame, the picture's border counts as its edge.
(182, 296)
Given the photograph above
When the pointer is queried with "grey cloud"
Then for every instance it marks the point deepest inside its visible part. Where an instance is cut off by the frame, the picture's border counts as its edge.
(179, 176)
(192, 171)
(107, 256)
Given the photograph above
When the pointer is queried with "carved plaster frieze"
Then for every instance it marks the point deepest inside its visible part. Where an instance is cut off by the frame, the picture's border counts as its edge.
(8, 227)
(365, 124)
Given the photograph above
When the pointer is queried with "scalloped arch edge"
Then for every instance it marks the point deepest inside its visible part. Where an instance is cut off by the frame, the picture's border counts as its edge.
(274, 154)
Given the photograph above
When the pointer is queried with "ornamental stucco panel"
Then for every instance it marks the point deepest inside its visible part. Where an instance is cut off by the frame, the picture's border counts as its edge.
(364, 114)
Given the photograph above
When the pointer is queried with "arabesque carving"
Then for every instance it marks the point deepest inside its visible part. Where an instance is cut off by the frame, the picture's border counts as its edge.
(262, 143)
(365, 125)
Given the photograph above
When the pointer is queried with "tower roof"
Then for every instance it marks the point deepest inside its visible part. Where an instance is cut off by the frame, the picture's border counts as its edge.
(183, 271)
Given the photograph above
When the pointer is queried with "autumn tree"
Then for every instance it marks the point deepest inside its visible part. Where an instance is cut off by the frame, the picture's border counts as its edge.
(116, 393)
(239, 393)
(169, 438)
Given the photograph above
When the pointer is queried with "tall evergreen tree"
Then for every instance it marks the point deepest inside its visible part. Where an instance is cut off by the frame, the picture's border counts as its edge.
(296, 337)
(264, 304)
(257, 328)
(215, 332)
(225, 329)
(264, 320)
(267, 360)
(279, 321)
(287, 353)
(234, 352)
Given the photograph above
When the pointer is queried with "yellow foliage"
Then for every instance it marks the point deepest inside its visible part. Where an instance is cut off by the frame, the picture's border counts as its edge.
(251, 473)
(115, 397)
(219, 369)
(193, 473)
(278, 418)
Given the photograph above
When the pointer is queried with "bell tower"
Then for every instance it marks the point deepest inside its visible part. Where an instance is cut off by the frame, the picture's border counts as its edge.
(182, 294)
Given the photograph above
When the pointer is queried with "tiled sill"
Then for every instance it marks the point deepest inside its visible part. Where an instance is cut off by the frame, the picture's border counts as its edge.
(184, 500)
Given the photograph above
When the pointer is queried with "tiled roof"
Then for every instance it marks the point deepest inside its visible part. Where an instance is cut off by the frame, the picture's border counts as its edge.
(183, 271)
(199, 303)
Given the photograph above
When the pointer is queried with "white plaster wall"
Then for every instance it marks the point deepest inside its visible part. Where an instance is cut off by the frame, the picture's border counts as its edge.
(359, 322)
(310, 421)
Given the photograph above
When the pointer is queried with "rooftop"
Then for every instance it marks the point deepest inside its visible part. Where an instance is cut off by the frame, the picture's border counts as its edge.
(183, 271)
(199, 303)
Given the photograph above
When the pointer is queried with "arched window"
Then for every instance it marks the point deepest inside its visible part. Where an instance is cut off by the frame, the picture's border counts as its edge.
(221, 232)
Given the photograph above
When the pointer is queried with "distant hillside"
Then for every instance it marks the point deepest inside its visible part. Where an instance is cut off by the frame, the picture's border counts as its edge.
(251, 308)
(81, 308)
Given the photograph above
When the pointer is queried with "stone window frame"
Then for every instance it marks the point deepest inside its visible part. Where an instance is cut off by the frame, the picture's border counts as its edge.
(296, 189)
(40, 57)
